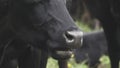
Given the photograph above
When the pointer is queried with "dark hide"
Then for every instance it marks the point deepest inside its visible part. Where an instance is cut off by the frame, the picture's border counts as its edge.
(94, 46)
(29, 25)
(43, 61)
(20, 56)
(3, 8)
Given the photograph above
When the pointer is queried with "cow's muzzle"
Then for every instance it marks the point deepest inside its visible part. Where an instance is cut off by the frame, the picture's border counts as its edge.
(73, 38)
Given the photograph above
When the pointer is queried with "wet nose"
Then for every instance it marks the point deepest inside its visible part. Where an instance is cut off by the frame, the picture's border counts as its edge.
(74, 38)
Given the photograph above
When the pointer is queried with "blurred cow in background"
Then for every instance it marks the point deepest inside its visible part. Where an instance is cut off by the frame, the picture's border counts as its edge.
(94, 46)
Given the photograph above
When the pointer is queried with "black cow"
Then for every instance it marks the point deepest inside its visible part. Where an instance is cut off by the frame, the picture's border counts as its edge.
(94, 46)
(29, 25)
(108, 12)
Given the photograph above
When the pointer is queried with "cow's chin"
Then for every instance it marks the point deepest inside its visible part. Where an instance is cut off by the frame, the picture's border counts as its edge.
(58, 52)
(61, 54)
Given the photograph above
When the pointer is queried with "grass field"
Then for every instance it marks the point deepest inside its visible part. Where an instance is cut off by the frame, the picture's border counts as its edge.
(105, 63)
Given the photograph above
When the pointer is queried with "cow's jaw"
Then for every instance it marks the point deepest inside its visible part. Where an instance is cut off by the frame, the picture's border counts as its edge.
(62, 54)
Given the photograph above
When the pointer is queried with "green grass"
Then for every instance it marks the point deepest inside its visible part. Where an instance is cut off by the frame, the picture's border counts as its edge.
(83, 27)
(52, 63)
(105, 63)
(73, 64)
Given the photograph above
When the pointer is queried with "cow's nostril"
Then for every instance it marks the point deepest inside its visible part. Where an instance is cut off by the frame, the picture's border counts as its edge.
(69, 37)
(73, 37)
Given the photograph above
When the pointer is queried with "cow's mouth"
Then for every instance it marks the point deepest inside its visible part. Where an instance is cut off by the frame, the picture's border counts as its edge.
(62, 54)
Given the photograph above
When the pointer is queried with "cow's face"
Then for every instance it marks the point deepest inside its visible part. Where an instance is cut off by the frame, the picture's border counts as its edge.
(45, 22)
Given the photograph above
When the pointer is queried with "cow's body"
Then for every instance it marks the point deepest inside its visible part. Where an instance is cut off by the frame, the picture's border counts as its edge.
(27, 26)
(94, 46)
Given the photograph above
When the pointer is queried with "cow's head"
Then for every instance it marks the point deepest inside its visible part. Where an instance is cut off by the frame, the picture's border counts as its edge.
(44, 24)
